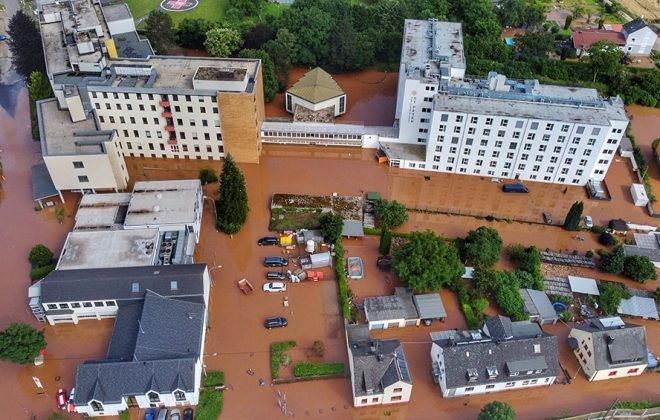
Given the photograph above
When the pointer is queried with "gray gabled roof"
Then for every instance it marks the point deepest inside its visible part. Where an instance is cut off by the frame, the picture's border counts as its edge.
(653, 254)
(644, 307)
(634, 25)
(498, 327)
(352, 229)
(117, 283)
(430, 306)
(616, 343)
(42, 183)
(538, 304)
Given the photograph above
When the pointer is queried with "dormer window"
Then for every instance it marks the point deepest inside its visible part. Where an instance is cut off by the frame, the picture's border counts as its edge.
(96, 406)
(472, 375)
(179, 395)
(153, 397)
(492, 372)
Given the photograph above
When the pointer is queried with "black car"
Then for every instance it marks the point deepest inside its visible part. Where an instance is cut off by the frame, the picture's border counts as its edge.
(188, 414)
(276, 262)
(276, 275)
(268, 240)
(275, 322)
(384, 263)
(514, 188)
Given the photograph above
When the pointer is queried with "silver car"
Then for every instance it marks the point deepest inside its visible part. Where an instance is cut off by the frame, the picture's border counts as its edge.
(276, 286)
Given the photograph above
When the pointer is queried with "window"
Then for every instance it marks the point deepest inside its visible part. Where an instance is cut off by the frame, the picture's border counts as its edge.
(78, 165)
(98, 304)
(490, 386)
(549, 126)
(486, 132)
(75, 305)
(525, 383)
(533, 381)
(64, 306)
(52, 306)
(489, 121)
(83, 178)
(500, 133)
(510, 384)
(504, 123)
(396, 398)
(397, 390)
(542, 148)
(469, 389)
(564, 128)
(363, 401)
(498, 144)
(87, 304)
(459, 118)
(534, 126)
(442, 128)
(374, 400)
(630, 371)
(153, 397)
(96, 406)
(591, 142)
(471, 130)
(612, 373)
(457, 129)
(474, 120)
(179, 395)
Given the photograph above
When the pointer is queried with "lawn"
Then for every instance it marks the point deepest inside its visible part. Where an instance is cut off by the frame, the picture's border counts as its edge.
(212, 10)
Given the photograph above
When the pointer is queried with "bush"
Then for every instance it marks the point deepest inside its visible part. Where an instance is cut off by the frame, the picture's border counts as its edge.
(610, 297)
(331, 226)
(589, 254)
(607, 239)
(207, 176)
(318, 369)
(464, 300)
(613, 262)
(639, 268)
(210, 405)
(497, 410)
(40, 256)
(528, 260)
(276, 350)
(317, 349)
(385, 242)
(508, 298)
(565, 316)
(637, 405)
(599, 229)
(479, 304)
(341, 278)
(482, 247)
(214, 378)
(39, 273)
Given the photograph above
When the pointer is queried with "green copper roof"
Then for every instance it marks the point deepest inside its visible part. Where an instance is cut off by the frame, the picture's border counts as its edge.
(316, 86)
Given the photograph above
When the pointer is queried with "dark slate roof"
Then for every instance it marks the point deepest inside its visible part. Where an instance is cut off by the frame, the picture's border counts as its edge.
(108, 382)
(498, 328)
(653, 254)
(42, 183)
(618, 224)
(169, 328)
(634, 25)
(383, 308)
(124, 333)
(129, 45)
(470, 350)
(376, 364)
(618, 345)
(117, 283)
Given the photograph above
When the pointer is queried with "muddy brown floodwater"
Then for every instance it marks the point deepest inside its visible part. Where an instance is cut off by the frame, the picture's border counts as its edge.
(237, 342)
(370, 97)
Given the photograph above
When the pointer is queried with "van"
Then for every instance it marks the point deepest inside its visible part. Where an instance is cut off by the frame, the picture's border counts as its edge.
(276, 275)
(514, 188)
(162, 414)
(276, 262)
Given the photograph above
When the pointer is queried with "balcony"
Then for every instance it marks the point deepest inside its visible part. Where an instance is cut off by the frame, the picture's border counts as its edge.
(165, 104)
(169, 128)
(166, 114)
(171, 141)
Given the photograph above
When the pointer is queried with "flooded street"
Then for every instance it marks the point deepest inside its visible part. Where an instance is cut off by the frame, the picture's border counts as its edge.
(645, 123)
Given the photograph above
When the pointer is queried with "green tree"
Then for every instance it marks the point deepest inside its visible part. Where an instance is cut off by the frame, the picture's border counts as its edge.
(159, 29)
(248, 8)
(312, 28)
(607, 239)
(267, 71)
(283, 50)
(391, 214)
(331, 226)
(507, 296)
(222, 42)
(574, 216)
(483, 247)
(385, 242)
(25, 45)
(610, 297)
(515, 13)
(639, 268)
(605, 58)
(497, 410)
(207, 176)
(258, 35)
(232, 203)
(40, 256)
(568, 21)
(39, 86)
(484, 280)
(191, 32)
(20, 343)
(426, 263)
(614, 261)
(534, 43)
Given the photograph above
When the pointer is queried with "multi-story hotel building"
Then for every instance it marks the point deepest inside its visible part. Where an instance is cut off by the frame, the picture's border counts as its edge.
(108, 83)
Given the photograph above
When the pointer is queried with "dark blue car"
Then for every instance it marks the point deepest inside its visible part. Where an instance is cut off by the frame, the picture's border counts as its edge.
(150, 414)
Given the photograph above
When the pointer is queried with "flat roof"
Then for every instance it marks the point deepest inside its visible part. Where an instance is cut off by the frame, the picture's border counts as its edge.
(61, 136)
(109, 248)
(178, 72)
(385, 308)
(99, 211)
(117, 12)
(430, 306)
(130, 45)
(404, 151)
(163, 202)
(429, 42)
(583, 285)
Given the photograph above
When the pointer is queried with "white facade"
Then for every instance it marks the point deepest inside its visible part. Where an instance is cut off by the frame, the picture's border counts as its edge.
(338, 103)
(398, 392)
(640, 42)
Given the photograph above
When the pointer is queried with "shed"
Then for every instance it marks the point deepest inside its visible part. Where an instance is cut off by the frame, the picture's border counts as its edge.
(352, 229)
(394, 311)
(42, 184)
(618, 225)
(639, 306)
(639, 196)
(538, 306)
(373, 196)
(583, 285)
(429, 306)
(322, 259)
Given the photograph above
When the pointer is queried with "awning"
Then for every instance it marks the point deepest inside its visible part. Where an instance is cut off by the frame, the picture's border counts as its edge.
(42, 184)
(583, 285)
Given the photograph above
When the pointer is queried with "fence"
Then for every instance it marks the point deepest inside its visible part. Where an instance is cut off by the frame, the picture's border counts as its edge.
(280, 381)
(619, 413)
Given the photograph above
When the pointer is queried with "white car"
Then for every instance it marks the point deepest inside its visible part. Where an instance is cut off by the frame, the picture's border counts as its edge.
(276, 286)
(588, 222)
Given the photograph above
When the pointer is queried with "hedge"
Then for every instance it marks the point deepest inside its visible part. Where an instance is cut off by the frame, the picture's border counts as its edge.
(343, 282)
(214, 378)
(276, 350)
(318, 369)
(210, 405)
(464, 300)
(637, 405)
(41, 272)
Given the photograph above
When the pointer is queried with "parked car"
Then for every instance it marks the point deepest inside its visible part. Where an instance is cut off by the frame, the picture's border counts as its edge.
(547, 217)
(150, 414)
(70, 407)
(188, 414)
(268, 240)
(515, 188)
(276, 262)
(162, 414)
(175, 414)
(588, 222)
(62, 399)
(276, 275)
(275, 322)
(276, 286)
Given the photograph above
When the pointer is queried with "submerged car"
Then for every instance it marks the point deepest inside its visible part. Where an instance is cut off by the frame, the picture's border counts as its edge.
(268, 240)
(150, 414)
(276, 286)
(588, 222)
(62, 399)
(276, 322)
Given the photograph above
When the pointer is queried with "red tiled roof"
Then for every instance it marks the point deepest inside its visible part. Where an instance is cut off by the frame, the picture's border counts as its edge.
(586, 38)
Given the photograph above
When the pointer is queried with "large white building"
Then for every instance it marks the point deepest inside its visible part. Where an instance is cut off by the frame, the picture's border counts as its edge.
(495, 127)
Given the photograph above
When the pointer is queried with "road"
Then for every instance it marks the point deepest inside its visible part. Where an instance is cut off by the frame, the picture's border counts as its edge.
(7, 74)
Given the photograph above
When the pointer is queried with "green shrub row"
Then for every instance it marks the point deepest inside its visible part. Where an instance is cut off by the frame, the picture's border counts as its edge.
(276, 350)
(343, 282)
(637, 405)
(315, 369)
(214, 378)
(464, 299)
(41, 272)
(210, 404)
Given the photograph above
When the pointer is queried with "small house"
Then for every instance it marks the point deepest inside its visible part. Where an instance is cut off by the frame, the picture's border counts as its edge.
(538, 306)
(394, 311)
(429, 306)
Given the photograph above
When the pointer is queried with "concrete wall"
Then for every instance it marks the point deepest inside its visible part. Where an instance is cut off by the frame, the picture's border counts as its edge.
(107, 309)
(388, 396)
(415, 111)
(332, 102)
(99, 170)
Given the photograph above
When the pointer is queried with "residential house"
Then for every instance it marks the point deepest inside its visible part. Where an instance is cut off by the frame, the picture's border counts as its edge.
(394, 311)
(502, 356)
(634, 38)
(154, 358)
(646, 245)
(640, 38)
(608, 348)
(583, 39)
(379, 369)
